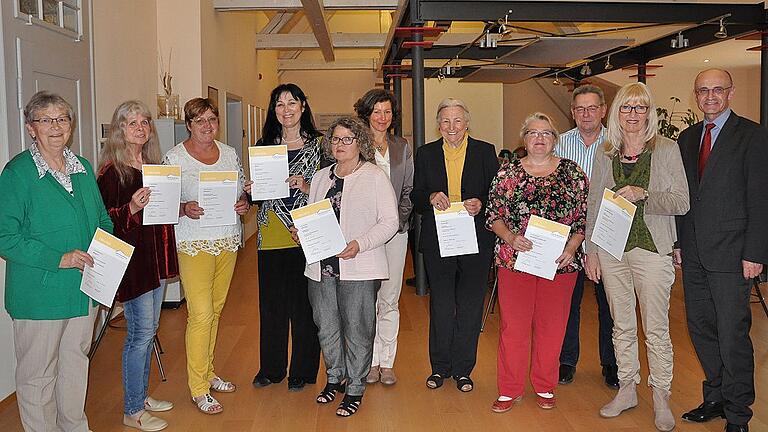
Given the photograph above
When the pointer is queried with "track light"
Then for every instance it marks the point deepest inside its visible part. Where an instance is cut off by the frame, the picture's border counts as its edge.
(721, 34)
(608, 65)
(679, 41)
(586, 70)
(557, 81)
(489, 40)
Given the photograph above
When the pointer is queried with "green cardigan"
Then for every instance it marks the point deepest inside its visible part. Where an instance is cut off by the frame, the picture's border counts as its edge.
(39, 222)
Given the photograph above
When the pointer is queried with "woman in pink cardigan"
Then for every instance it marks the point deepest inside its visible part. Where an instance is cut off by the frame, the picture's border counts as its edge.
(342, 289)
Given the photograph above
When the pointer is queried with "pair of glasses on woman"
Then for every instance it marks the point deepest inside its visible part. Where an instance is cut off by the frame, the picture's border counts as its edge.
(342, 140)
(539, 133)
(626, 109)
(63, 121)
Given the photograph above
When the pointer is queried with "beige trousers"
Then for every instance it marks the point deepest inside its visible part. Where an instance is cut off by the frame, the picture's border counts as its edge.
(387, 303)
(52, 372)
(641, 278)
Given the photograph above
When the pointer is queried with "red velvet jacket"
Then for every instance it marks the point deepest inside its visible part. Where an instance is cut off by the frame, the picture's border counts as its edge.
(155, 255)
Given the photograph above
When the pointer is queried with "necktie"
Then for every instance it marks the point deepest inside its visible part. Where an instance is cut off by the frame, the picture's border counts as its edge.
(705, 149)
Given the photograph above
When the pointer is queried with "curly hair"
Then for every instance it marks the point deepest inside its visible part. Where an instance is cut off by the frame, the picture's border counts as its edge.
(361, 132)
(364, 106)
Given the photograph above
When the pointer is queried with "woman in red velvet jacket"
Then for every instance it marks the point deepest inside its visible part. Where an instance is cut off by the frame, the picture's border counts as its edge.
(132, 142)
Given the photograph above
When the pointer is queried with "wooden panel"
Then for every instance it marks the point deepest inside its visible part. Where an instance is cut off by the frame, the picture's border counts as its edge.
(561, 51)
(506, 75)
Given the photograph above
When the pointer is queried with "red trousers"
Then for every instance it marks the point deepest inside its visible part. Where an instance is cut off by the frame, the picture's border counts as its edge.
(531, 306)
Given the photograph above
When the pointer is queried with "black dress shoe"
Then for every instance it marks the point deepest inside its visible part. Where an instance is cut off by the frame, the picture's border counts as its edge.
(705, 412)
(611, 376)
(730, 427)
(261, 381)
(295, 384)
(566, 374)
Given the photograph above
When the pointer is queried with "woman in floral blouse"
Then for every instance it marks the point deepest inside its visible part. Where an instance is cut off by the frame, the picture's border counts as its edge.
(544, 185)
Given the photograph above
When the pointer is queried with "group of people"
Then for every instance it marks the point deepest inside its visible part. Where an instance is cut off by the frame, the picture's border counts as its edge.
(347, 305)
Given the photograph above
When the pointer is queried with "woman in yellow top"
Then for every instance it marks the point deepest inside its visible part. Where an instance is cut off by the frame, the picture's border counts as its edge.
(455, 168)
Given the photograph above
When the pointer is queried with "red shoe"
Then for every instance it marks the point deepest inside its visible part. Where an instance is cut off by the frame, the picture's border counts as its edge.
(504, 406)
(545, 403)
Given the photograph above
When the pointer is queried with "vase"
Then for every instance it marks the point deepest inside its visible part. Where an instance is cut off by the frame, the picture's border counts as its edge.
(168, 106)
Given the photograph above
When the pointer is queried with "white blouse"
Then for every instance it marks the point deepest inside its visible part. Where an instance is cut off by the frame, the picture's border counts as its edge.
(191, 238)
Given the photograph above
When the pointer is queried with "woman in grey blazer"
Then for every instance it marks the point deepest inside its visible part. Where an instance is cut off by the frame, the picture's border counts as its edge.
(378, 108)
(646, 169)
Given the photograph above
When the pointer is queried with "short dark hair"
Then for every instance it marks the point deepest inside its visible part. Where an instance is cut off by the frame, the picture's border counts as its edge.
(364, 105)
(196, 107)
(273, 130)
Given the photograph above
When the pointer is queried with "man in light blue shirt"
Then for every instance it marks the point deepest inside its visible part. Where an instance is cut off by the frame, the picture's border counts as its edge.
(580, 144)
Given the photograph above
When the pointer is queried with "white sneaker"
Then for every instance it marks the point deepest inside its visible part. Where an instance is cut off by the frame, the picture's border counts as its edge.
(146, 422)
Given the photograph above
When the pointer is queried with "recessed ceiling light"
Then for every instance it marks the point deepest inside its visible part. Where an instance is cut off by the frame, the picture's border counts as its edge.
(706, 60)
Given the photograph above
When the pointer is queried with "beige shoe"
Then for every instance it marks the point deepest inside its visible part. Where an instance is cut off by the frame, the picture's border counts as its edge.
(388, 376)
(373, 375)
(664, 419)
(153, 405)
(625, 399)
(146, 422)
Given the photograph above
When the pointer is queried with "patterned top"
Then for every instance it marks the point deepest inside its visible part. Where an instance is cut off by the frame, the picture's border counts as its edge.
(72, 165)
(515, 195)
(191, 238)
(330, 266)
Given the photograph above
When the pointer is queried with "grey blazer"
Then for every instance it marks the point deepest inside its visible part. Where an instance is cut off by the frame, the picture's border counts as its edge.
(401, 176)
(667, 194)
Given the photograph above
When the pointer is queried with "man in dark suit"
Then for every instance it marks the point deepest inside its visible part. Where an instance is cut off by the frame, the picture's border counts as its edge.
(723, 245)
(456, 168)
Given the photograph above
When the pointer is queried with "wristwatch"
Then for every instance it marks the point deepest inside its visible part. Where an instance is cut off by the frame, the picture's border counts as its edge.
(645, 194)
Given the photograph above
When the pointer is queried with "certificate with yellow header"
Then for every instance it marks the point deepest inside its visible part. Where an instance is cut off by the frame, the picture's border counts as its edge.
(549, 239)
(319, 232)
(165, 183)
(217, 197)
(269, 172)
(455, 231)
(614, 220)
(110, 257)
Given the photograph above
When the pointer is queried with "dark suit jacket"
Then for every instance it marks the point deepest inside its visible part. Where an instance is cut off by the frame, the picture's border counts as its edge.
(728, 219)
(480, 166)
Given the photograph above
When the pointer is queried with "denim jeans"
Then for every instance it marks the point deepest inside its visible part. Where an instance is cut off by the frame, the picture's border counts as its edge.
(569, 355)
(142, 315)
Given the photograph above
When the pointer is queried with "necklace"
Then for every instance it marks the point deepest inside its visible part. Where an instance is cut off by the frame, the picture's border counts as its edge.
(287, 141)
(335, 172)
(631, 158)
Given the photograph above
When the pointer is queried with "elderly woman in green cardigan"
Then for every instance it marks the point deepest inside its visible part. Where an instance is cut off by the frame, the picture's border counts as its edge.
(51, 209)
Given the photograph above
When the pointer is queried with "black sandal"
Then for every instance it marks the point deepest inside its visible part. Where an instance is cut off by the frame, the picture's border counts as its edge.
(329, 393)
(465, 384)
(435, 381)
(349, 405)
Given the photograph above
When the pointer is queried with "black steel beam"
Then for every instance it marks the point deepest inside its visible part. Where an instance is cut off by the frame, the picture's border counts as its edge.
(592, 11)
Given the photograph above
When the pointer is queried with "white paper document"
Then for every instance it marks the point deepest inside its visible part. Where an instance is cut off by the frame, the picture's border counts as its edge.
(549, 239)
(319, 232)
(110, 257)
(165, 183)
(455, 231)
(614, 220)
(269, 170)
(218, 195)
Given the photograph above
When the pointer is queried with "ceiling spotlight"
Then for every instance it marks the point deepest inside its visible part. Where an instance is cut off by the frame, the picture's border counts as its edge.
(586, 70)
(557, 81)
(489, 40)
(440, 77)
(608, 65)
(679, 41)
(721, 34)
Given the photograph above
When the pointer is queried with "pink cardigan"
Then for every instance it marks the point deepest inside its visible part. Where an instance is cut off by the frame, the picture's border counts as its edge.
(368, 215)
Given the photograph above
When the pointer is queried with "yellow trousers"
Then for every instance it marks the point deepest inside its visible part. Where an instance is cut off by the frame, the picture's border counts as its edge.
(205, 278)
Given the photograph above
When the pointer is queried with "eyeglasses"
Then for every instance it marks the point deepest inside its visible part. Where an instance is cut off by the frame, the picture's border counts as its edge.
(718, 91)
(590, 109)
(342, 140)
(62, 122)
(640, 109)
(544, 134)
(136, 124)
(200, 121)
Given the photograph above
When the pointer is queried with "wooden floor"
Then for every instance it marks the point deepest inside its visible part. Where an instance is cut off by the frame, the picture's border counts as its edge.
(406, 406)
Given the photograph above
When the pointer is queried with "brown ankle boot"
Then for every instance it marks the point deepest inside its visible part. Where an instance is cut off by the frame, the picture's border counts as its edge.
(625, 399)
(664, 419)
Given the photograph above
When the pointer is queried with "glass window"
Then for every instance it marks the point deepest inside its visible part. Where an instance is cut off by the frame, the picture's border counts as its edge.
(28, 7)
(51, 12)
(70, 19)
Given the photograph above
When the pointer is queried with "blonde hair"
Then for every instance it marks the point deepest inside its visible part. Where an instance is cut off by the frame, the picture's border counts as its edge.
(637, 93)
(452, 102)
(115, 149)
(533, 117)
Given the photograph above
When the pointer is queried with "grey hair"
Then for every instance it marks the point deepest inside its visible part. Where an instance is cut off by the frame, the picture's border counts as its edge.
(586, 89)
(42, 100)
(538, 116)
(359, 129)
(452, 102)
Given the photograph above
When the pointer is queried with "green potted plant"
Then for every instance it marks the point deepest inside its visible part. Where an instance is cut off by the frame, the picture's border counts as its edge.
(668, 118)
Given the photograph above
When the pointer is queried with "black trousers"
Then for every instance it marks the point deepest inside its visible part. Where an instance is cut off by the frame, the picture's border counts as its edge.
(719, 319)
(284, 304)
(457, 291)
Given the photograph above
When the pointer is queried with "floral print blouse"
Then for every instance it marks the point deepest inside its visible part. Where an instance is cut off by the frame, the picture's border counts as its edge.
(330, 266)
(515, 195)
